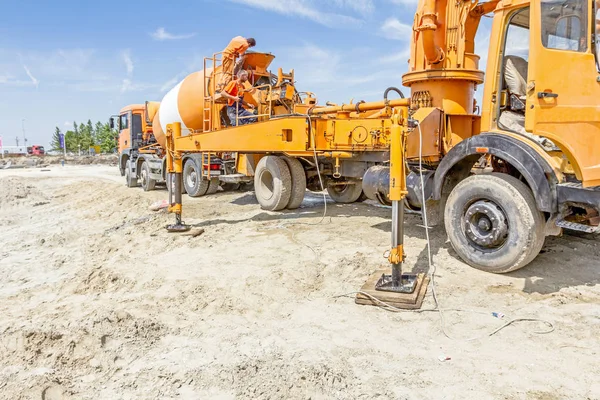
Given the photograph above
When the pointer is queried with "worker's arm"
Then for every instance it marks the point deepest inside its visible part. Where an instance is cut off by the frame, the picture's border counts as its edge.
(245, 103)
(228, 96)
(236, 99)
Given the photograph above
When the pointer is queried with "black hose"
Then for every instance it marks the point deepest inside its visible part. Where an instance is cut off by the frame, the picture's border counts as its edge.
(390, 89)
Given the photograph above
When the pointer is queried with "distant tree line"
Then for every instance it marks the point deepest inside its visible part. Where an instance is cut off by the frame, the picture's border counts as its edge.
(83, 136)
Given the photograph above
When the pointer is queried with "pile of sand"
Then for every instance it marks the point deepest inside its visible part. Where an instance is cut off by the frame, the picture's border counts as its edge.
(16, 192)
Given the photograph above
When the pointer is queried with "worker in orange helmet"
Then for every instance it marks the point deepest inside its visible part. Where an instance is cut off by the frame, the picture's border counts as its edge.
(233, 92)
(235, 49)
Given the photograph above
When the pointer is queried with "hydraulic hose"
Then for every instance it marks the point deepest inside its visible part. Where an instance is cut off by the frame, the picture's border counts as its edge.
(392, 89)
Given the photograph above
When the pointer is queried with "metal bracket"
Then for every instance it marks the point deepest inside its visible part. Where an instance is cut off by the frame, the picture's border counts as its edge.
(408, 283)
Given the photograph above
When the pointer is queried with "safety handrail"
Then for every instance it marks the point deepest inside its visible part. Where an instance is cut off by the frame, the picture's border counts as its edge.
(237, 104)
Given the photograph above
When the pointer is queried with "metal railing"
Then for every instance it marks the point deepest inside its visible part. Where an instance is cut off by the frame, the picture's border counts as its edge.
(268, 108)
(210, 87)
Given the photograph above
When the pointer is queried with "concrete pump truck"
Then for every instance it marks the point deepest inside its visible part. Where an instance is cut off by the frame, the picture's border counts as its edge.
(529, 165)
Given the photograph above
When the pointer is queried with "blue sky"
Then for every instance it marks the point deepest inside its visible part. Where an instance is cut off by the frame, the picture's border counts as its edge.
(72, 60)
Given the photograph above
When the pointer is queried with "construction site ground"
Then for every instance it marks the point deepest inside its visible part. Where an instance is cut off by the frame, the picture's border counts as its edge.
(98, 301)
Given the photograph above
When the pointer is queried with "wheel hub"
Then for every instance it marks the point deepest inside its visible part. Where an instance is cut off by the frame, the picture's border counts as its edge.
(486, 224)
(192, 177)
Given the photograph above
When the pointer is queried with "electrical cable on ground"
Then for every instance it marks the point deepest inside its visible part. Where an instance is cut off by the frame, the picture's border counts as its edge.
(432, 273)
(285, 225)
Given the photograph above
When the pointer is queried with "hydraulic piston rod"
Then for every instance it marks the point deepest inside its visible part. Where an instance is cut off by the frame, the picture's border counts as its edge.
(397, 282)
(175, 171)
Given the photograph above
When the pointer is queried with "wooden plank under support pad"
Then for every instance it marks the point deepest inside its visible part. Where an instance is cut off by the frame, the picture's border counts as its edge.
(408, 301)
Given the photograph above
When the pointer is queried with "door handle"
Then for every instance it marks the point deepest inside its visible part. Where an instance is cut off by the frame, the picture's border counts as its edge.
(543, 95)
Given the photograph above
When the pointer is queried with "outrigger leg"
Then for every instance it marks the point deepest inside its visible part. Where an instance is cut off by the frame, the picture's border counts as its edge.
(175, 171)
(396, 289)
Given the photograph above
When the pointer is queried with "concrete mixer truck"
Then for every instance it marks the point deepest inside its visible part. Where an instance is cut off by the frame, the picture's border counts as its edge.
(294, 144)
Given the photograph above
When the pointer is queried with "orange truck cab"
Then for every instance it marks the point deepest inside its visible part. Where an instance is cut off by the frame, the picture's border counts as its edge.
(136, 141)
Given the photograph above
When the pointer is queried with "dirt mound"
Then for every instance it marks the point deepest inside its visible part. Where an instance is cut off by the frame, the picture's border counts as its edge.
(19, 192)
(42, 161)
(101, 159)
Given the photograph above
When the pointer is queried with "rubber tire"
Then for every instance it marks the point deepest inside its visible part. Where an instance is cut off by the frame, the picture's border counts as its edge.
(350, 194)
(298, 182)
(201, 185)
(277, 197)
(526, 223)
(121, 168)
(213, 186)
(150, 183)
(129, 180)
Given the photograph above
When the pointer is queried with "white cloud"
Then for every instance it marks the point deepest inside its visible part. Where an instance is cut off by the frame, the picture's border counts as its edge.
(127, 84)
(161, 34)
(361, 6)
(33, 79)
(60, 65)
(195, 64)
(128, 62)
(10, 80)
(392, 28)
(306, 9)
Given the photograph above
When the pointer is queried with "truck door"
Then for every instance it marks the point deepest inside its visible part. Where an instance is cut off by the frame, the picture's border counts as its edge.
(124, 131)
(563, 90)
(136, 130)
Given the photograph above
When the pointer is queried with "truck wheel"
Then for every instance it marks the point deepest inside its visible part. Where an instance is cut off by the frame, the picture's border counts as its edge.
(130, 179)
(147, 182)
(298, 182)
(121, 169)
(348, 193)
(213, 186)
(493, 223)
(195, 185)
(272, 183)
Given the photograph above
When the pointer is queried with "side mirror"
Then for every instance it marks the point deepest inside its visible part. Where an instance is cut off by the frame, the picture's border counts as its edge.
(111, 123)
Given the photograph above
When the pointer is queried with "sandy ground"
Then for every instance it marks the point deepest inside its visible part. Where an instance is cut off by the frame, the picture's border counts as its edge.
(99, 302)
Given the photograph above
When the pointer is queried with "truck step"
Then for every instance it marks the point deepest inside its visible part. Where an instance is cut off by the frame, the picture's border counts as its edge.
(236, 178)
(574, 226)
